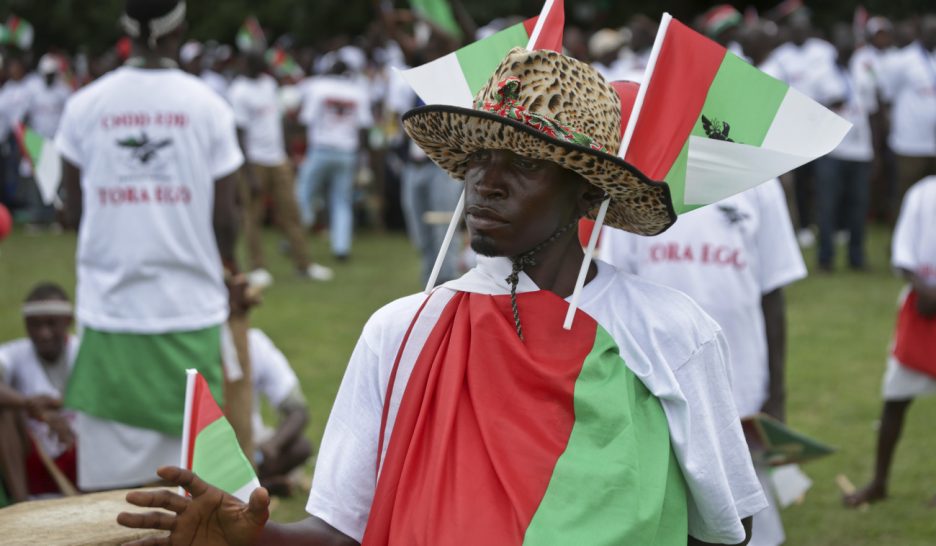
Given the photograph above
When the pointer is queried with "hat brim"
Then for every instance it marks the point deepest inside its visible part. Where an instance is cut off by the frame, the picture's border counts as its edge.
(449, 134)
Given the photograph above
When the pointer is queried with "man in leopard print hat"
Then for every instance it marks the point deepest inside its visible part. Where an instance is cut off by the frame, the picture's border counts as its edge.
(459, 423)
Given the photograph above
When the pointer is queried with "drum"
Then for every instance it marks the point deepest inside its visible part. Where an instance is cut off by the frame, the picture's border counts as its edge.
(83, 520)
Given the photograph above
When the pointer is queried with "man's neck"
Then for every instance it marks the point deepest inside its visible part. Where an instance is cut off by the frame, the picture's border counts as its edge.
(557, 266)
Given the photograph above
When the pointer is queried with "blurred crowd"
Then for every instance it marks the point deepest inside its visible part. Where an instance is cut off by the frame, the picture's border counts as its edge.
(329, 96)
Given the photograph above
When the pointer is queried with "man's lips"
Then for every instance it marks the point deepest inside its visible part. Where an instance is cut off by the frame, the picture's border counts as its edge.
(481, 218)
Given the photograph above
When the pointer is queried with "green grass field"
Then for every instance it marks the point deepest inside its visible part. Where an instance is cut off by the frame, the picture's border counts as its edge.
(839, 327)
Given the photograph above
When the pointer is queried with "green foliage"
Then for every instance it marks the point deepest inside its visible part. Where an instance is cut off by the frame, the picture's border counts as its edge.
(839, 327)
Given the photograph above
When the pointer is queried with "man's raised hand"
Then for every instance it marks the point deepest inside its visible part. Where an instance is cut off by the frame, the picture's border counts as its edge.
(211, 517)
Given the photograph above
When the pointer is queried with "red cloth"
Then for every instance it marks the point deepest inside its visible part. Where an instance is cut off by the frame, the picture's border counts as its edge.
(38, 478)
(483, 420)
(915, 340)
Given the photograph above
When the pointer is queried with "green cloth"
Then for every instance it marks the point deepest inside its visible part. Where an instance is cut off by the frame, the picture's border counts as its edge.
(618, 481)
(139, 379)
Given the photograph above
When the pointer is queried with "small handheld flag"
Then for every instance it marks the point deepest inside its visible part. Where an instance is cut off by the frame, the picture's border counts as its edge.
(250, 36)
(44, 159)
(209, 446)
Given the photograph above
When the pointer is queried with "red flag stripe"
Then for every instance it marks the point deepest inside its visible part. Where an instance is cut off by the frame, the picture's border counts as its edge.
(550, 36)
(681, 77)
(204, 412)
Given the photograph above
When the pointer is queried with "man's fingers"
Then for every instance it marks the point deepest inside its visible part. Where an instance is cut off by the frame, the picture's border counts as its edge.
(151, 541)
(158, 499)
(183, 478)
(258, 507)
(147, 520)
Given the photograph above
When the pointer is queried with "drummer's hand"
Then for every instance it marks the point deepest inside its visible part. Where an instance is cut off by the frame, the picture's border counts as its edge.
(211, 517)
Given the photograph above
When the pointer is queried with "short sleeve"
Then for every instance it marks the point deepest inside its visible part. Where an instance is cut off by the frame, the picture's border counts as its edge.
(346, 469)
(240, 104)
(6, 365)
(903, 246)
(226, 155)
(68, 138)
(364, 116)
(308, 112)
(780, 261)
(716, 463)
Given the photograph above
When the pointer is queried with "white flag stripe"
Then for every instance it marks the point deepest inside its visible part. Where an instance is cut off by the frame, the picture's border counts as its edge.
(544, 14)
(440, 82)
(243, 494)
(716, 169)
(804, 127)
(48, 172)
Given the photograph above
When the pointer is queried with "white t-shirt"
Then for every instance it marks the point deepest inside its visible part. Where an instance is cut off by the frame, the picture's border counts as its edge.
(273, 378)
(724, 256)
(257, 113)
(335, 109)
(914, 243)
(664, 338)
(856, 89)
(14, 103)
(46, 106)
(23, 370)
(150, 144)
(870, 61)
(910, 84)
(216, 82)
(799, 65)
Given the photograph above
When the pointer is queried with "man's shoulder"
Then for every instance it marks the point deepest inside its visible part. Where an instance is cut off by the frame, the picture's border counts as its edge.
(664, 323)
(924, 189)
(396, 314)
(13, 352)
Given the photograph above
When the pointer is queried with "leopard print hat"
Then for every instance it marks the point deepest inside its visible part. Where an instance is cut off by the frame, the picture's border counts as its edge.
(543, 105)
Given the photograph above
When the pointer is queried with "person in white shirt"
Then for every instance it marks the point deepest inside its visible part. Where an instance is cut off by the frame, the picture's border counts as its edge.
(282, 449)
(269, 175)
(34, 372)
(336, 113)
(47, 100)
(910, 84)
(150, 158)
(913, 257)
(869, 62)
(14, 103)
(842, 176)
(733, 258)
(451, 413)
(798, 63)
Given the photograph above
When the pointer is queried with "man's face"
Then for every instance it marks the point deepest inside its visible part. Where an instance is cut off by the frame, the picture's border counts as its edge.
(514, 203)
(48, 334)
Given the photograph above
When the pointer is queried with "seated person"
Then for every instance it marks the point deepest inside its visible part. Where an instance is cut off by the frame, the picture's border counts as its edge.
(281, 450)
(33, 375)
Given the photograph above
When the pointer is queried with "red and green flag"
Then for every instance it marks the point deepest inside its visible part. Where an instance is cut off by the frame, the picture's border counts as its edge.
(457, 77)
(250, 36)
(282, 63)
(44, 159)
(209, 445)
(440, 13)
(17, 31)
(711, 125)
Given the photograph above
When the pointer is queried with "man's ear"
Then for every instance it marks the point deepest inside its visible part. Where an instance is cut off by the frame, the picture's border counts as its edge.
(589, 197)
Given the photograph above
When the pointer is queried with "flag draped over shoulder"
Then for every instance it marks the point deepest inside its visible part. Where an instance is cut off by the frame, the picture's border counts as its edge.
(457, 77)
(711, 125)
(45, 160)
(209, 446)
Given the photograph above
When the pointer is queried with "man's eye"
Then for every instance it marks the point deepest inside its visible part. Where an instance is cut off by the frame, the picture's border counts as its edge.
(480, 155)
(526, 164)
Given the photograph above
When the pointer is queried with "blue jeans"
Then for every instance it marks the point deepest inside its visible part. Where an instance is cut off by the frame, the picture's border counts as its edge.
(427, 188)
(842, 191)
(335, 169)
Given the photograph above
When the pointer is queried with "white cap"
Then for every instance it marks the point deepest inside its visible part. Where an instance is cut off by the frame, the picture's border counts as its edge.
(189, 51)
(48, 64)
(605, 41)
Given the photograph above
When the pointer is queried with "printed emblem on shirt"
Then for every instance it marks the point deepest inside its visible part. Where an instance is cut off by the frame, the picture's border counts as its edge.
(143, 149)
(732, 214)
(340, 108)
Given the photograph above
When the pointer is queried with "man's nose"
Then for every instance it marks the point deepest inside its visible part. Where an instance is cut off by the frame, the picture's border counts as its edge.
(489, 183)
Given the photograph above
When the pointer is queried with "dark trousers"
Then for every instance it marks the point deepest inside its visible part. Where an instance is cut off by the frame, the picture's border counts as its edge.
(842, 190)
(803, 193)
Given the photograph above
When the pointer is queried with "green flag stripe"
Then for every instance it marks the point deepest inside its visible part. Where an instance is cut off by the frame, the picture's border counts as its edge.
(676, 179)
(743, 97)
(618, 481)
(479, 60)
(218, 458)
